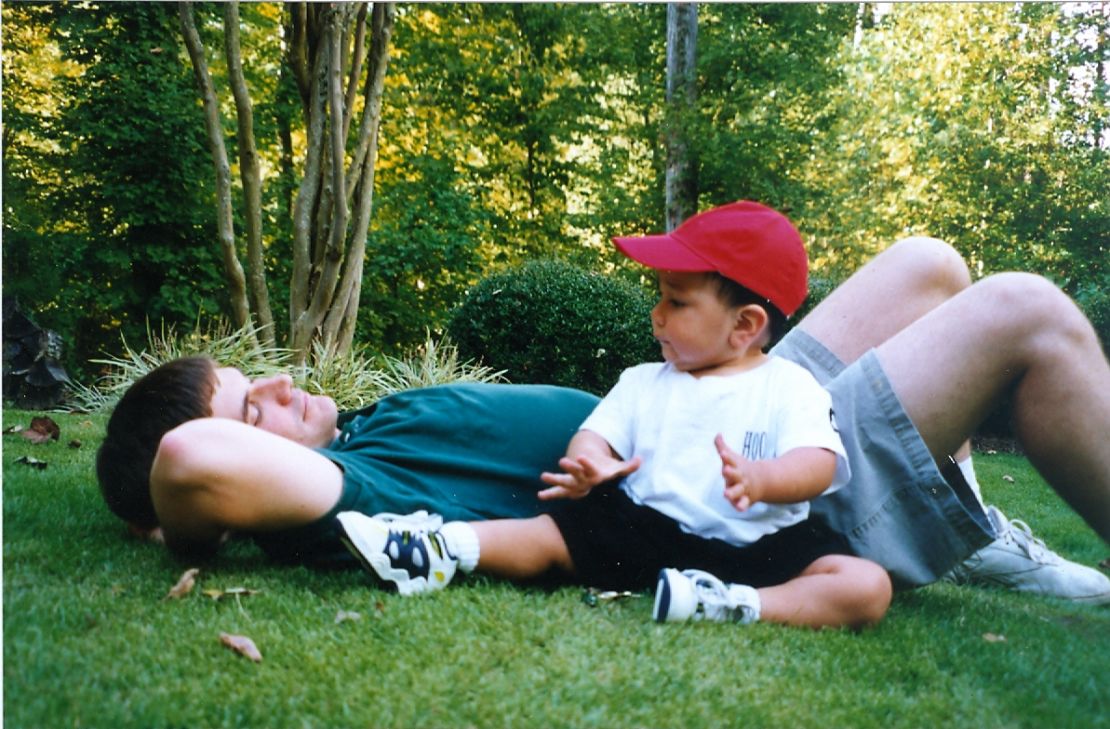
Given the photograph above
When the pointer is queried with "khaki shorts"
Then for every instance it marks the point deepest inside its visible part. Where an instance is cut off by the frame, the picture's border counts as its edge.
(896, 509)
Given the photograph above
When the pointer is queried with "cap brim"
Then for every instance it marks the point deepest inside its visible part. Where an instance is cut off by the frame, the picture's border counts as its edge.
(663, 253)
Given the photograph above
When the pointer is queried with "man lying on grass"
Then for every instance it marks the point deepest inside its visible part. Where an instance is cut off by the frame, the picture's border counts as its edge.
(913, 356)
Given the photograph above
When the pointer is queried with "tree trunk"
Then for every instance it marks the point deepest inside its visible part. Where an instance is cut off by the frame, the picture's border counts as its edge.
(331, 212)
(681, 185)
(233, 270)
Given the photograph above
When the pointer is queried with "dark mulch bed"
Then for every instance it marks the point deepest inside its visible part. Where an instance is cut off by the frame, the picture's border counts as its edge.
(985, 443)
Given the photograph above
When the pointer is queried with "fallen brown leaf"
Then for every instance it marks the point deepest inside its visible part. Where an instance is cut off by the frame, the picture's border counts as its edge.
(42, 429)
(242, 645)
(184, 585)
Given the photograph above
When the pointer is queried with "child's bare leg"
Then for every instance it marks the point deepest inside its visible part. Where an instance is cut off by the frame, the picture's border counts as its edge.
(521, 548)
(836, 590)
(1013, 333)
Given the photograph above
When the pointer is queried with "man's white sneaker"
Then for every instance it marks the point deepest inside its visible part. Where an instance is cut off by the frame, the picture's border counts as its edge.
(697, 595)
(394, 549)
(1017, 560)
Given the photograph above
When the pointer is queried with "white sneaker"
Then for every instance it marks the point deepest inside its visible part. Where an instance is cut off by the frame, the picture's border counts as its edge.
(397, 551)
(417, 521)
(1017, 560)
(697, 595)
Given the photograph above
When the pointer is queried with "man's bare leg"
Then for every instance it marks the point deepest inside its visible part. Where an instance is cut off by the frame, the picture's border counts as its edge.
(951, 361)
(897, 287)
(1013, 333)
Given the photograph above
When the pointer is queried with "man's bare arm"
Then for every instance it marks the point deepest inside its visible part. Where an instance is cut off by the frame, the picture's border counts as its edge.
(215, 475)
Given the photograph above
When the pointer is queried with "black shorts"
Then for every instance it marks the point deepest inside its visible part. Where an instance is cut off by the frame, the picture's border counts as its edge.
(618, 544)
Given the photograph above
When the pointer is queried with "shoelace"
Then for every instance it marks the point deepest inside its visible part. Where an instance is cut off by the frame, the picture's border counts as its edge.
(1020, 534)
(713, 594)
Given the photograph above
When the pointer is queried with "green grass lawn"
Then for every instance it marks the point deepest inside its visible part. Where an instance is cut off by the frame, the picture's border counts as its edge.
(89, 640)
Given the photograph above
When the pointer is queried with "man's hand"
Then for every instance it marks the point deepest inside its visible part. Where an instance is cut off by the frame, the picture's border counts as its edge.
(581, 474)
(743, 482)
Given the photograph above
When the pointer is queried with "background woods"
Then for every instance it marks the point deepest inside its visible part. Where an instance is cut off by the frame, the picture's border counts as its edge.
(364, 165)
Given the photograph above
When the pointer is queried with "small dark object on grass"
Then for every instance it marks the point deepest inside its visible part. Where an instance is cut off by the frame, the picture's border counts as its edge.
(594, 597)
(34, 378)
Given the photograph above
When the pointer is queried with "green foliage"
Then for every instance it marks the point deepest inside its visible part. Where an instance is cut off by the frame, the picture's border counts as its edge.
(972, 123)
(422, 254)
(112, 225)
(763, 110)
(538, 107)
(551, 322)
(82, 599)
(515, 132)
(1093, 298)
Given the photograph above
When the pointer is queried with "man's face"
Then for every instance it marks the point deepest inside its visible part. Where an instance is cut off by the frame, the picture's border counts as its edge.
(274, 405)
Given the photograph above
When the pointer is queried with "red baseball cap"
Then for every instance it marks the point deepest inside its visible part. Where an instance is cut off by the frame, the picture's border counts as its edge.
(753, 245)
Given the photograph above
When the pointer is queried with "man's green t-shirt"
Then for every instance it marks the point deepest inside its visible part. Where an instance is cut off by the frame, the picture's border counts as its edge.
(464, 451)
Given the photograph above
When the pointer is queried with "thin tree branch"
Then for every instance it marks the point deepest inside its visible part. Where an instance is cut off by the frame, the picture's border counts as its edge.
(249, 174)
(301, 326)
(298, 52)
(356, 70)
(375, 77)
(341, 318)
(233, 270)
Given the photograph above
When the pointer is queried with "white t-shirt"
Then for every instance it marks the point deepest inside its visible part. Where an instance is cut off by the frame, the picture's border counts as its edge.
(670, 419)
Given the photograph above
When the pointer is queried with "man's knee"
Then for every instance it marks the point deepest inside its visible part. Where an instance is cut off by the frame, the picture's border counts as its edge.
(934, 262)
(1033, 301)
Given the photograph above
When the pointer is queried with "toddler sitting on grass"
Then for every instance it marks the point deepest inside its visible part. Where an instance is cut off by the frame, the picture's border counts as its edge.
(693, 474)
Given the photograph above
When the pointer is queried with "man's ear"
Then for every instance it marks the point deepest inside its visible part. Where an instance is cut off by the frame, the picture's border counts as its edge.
(750, 324)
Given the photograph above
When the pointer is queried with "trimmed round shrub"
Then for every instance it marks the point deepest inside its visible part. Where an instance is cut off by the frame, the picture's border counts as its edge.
(553, 323)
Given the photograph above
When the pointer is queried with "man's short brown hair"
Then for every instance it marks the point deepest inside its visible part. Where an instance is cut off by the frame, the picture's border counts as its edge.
(164, 398)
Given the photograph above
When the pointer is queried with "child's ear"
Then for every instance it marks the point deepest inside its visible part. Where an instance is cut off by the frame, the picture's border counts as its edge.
(749, 325)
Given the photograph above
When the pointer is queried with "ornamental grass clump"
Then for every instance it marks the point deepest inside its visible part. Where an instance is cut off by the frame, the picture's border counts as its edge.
(356, 379)
(231, 347)
(353, 379)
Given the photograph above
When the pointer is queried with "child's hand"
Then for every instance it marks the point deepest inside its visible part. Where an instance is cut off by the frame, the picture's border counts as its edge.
(581, 474)
(742, 483)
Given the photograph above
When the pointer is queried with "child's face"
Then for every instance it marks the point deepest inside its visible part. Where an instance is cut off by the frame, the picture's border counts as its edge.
(692, 323)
